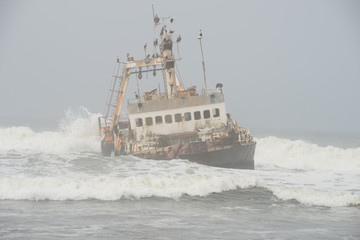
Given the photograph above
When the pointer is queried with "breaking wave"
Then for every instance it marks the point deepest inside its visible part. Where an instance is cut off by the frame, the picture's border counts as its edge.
(107, 188)
(311, 197)
(160, 185)
(76, 133)
(61, 165)
(79, 133)
(301, 155)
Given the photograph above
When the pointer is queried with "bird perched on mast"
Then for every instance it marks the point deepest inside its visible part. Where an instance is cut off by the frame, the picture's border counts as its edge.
(178, 39)
(145, 48)
(200, 34)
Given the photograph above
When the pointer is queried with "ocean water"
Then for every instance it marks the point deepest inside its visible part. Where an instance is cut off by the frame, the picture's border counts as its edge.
(56, 185)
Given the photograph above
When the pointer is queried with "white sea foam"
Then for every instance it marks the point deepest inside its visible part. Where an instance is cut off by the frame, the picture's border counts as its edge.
(310, 196)
(77, 133)
(301, 155)
(168, 185)
(134, 178)
(107, 188)
(52, 165)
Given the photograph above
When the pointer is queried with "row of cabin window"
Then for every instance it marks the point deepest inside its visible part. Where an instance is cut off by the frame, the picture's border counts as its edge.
(177, 117)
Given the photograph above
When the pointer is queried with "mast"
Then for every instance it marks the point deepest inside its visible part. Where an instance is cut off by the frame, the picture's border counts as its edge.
(166, 53)
(203, 61)
(165, 59)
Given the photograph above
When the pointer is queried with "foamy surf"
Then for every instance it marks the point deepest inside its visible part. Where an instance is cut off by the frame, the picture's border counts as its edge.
(312, 197)
(66, 165)
(76, 133)
(165, 185)
(108, 188)
(301, 155)
(79, 133)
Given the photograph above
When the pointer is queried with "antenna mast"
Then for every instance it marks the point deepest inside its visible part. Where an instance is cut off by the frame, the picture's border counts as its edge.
(203, 61)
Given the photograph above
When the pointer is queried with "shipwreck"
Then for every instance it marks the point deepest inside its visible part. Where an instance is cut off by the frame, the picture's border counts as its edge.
(176, 123)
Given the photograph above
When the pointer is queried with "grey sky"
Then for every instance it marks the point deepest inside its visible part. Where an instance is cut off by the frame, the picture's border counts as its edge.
(284, 64)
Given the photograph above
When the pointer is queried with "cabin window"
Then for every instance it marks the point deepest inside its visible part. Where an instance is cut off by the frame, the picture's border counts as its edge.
(187, 116)
(216, 112)
(207, 114)
(149, 121)
(178, 117)
(158, 120)
(139, 122)
(168, 119)
(197, 115)
(212, 98)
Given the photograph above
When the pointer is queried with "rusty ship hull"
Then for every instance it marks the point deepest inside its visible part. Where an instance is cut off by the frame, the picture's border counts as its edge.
(240, 156)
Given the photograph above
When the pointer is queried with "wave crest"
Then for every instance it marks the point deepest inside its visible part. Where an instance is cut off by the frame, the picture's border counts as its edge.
(305, 156)
(77, 133)
(163, 185)
(108, 188)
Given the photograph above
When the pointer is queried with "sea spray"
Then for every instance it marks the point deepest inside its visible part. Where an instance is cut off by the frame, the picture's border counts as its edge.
(301, 155)
(76, 133)
(67, 165)
(79, 133)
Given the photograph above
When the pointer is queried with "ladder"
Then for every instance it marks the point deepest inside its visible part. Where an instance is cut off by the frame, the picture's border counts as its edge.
(115, 98)
(115, 102)
(112, 96)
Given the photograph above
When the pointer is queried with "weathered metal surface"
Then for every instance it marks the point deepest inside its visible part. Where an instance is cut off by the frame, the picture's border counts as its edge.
(141, 132)
(120, 98)
(178, 123)
(238, 156)
(142, 63)
(179, 102)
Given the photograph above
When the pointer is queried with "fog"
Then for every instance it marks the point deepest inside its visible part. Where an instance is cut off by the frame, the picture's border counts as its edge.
(283, 64)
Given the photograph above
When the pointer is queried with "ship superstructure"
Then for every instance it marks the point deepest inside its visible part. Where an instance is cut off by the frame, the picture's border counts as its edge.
(177, 123)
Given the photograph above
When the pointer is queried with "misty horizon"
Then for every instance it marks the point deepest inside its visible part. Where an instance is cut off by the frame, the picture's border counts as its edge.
(284, 65)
